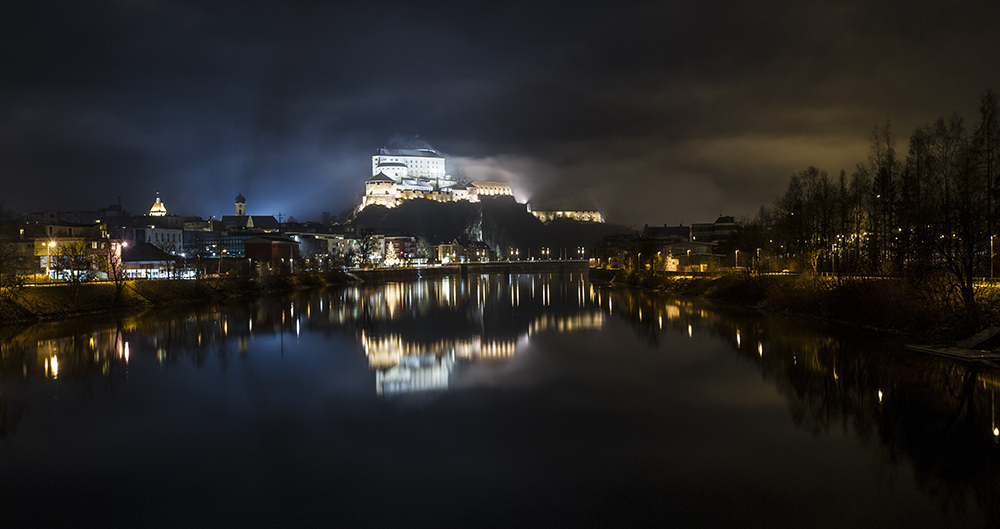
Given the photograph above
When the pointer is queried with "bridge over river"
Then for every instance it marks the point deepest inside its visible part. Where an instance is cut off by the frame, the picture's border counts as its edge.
(474, 268)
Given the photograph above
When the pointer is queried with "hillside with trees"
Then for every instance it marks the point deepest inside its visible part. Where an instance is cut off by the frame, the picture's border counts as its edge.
(503, 224)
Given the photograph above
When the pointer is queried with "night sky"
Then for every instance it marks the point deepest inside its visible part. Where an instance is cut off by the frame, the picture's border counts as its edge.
(658, 112)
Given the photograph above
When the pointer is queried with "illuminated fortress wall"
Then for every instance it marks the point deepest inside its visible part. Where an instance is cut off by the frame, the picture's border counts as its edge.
(406, 174)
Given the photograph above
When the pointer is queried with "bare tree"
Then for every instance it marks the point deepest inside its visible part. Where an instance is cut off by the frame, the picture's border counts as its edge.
(986, 145)
(959, 207)
(884, 167)
(74, 261)
(112, 264)
(915, 206)
(859, 219)
(364, 247)
(11, 282)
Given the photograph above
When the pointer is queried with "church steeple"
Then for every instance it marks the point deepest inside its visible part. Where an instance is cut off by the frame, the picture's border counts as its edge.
(241, 205)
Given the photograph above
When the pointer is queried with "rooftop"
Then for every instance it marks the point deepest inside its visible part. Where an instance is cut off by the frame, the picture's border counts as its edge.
(426, 153)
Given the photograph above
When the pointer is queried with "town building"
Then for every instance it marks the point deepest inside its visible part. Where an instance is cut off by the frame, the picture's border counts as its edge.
(109, 214)
(724, 229)
(167, 239)
(667, 234)
(277, 254)
(146, 261)
(399, 249)
(225, 237)
(452, 252)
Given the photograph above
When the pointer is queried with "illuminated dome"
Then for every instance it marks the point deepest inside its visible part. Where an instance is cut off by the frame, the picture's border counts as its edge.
(158, 209)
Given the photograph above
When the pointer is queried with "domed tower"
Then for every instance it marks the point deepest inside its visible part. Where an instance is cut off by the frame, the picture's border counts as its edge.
(241, 205)
(158, 209)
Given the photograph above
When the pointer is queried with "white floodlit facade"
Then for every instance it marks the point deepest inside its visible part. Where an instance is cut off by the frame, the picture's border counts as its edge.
(405, 174)
(418, 164)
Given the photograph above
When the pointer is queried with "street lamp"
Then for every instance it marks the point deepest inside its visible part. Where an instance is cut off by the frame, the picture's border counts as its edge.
(121, 262)
(737, 264)
(48, 258)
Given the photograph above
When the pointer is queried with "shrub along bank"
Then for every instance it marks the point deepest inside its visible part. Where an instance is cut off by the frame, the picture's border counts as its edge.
(926, 307)
(57, 301)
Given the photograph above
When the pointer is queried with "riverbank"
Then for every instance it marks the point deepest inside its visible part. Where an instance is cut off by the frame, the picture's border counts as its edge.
(61, 300)
(921, 308)
(58, 301)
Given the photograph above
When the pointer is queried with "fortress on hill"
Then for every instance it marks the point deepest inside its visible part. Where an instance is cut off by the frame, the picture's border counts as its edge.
(404, 174)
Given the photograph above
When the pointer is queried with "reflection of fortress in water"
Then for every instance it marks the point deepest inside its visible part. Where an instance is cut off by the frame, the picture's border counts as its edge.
(421, 336)
(418, 336)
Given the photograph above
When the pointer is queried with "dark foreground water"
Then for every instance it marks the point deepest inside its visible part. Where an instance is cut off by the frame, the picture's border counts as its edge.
(536, 401)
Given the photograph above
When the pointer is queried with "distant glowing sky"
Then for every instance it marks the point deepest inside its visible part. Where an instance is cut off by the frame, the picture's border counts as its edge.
(657, 112)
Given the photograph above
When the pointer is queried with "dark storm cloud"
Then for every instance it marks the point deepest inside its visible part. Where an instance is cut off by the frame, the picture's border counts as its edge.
(656, 111)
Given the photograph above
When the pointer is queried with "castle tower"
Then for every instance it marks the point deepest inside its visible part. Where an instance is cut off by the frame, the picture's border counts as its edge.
(241, 205)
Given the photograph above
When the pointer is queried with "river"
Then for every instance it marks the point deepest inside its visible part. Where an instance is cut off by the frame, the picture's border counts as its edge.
(490, 401)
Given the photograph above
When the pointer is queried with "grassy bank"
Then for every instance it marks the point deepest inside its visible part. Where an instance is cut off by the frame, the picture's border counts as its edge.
(924, 308)
(59, 301)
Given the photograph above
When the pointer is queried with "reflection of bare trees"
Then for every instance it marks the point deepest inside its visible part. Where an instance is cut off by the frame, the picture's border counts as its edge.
(87, 359)
(12, 401)
(937, 413)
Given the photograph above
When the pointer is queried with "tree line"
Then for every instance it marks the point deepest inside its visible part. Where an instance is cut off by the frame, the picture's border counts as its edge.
(933, 210)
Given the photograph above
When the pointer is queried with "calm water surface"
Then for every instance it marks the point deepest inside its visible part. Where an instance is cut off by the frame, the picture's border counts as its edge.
(488, 402)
